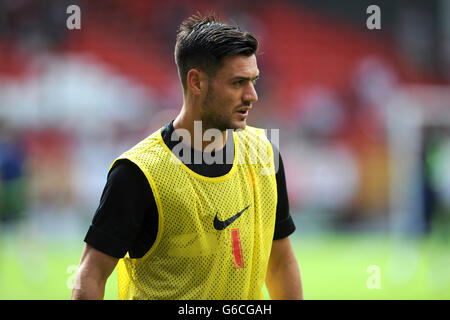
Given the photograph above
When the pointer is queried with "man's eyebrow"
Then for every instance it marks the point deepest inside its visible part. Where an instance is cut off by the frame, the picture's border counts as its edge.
(245, 78)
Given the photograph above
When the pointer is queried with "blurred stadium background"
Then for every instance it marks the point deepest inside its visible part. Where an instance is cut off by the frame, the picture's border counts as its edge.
(364, 119)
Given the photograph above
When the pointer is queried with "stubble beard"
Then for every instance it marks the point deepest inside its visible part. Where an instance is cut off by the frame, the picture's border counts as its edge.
(213, 118)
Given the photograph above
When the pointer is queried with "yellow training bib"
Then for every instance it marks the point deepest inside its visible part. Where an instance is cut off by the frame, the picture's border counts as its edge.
(214, 234)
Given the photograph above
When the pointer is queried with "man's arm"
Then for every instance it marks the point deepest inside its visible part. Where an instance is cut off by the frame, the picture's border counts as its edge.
(94, 269)
(283, 275)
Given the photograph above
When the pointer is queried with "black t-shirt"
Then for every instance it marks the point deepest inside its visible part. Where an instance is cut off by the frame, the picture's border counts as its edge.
(127, 218)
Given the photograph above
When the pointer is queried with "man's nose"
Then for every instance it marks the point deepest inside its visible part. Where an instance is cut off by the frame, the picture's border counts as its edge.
(250, 95)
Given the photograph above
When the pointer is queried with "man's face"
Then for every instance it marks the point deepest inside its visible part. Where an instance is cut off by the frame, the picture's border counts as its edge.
(230, 94)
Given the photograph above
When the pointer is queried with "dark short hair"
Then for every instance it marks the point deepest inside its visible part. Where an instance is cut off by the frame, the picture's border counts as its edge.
(203, 42)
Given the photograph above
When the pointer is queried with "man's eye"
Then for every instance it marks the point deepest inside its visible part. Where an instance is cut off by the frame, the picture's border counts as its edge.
(239, 82)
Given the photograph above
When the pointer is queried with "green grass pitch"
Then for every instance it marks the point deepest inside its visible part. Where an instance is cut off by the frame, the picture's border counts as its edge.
(333, 266)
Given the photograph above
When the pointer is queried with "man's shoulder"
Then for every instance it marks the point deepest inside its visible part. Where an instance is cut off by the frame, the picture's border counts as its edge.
(254, 133)
(254, 130)
(145, 144)
(143, 149)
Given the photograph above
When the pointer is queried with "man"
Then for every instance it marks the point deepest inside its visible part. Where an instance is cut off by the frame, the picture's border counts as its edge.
(179, 226)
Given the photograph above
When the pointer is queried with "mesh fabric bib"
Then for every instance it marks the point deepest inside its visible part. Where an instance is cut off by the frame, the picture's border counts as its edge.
(214, 234)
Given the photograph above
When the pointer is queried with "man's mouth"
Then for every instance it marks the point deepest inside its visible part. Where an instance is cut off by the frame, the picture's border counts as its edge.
(244, 111)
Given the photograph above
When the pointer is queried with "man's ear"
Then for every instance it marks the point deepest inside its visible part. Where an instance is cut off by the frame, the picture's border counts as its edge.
(195, 81)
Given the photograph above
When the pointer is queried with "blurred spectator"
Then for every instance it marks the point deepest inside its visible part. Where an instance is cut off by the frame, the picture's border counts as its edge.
(12, 176)
(436, 178)
(50, 170)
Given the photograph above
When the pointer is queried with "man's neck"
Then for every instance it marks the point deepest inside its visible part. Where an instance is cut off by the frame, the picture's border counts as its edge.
(193, 124)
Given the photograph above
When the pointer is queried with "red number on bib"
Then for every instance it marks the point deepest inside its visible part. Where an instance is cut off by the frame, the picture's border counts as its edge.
(237, 249)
